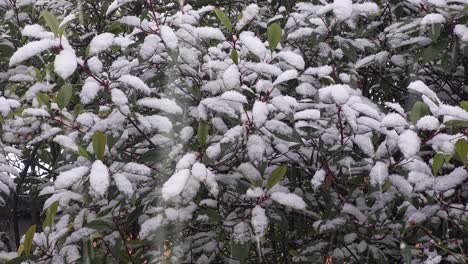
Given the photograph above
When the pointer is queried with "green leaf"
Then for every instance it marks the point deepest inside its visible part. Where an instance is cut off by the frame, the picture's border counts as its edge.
(461, 147)
(274, 35)
(456, 123)
(99, 144)
(20, 259)
(202, 133)
(431, 53)
(51, 21)
(434, 33)
(276, 176)
(464, 105)
(419, 110)
(350, 53)
(82, 152)
(223, 18)
(437, 163)
(133, 216)
(50, 215)
(406, 252)
(153, 155)
(64, 95)
(99, 225)
(43, 99)
(240, 251)
(235, 56)
(28, 238)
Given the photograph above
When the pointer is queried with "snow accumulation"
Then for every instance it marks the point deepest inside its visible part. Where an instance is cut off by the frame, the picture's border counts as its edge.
(101, 42)
(343, 9)
(430, 19)
(175, 184)
(259, 220)
(65, 63)
(136, 83)
(253, 44)
(99, 178)
(318, 179)
(293, 59)
(409, 143)
(259, 113)
(462, 32)
(32, 49)
(378, 174)
(289, 199)
(249, 13)
(36, 31)
(163, 104)
(169, 38)
(231, 77)
(68, 178)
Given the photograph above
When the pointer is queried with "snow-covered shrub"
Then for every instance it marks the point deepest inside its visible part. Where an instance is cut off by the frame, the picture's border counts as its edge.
(280, 131)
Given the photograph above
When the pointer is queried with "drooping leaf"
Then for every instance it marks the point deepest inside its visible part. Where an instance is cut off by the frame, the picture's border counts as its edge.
(99, 225)
(274, 35)
(461, 147)
(419, 110)
(202, 133)
(437, 163)
(28, 239)
(153, 155)
(99, 144)
(43, 99)
(64, 95)
(51, 21)
(235, 56)
(240, 251)
(50, 215)
(276, 176)
(464, 105)
(224, 19)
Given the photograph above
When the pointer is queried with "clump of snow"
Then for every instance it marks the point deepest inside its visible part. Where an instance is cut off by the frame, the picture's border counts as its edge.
(99, 178)
(309, 114)
(343, 9)
(136, 83)
(318, 179)
(430, 19)
(259, 113)
(428, 123)
(462, 32)
(36, 31)
(162, 104)
(289, 200)
(378, 174)
(68, 178)
(169, 37)
(253, 44)
(293, 59)
(175, 184)
(394, 120)
(259, 220)
(101, 42)
(231, 77)
(150, 225)
(249, 13)
(352, 210)
(123, 184)
(409, 143)
(286, 76)
(32, 49)
(65, 63)
(403, 186)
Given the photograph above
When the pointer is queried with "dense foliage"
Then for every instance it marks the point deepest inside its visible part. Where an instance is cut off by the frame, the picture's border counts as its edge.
(153, 131)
